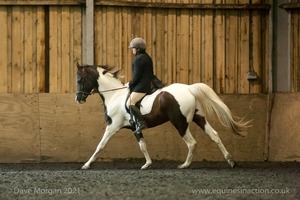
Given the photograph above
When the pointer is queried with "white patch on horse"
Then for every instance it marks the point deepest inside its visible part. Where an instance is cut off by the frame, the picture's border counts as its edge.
(184, 98)
(147, 102)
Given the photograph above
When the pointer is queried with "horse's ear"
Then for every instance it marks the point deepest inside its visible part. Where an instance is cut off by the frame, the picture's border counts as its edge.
(78, 65)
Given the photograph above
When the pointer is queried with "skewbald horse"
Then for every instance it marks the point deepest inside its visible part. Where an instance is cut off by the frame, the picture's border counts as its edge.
(178, 103)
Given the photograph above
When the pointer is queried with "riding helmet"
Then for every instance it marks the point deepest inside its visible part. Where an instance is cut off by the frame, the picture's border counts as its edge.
(138, 43)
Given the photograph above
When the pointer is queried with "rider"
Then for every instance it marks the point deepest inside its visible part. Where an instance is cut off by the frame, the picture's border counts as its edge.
(143, 76)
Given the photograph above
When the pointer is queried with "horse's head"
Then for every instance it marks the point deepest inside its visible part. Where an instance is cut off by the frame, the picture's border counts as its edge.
(87, 76)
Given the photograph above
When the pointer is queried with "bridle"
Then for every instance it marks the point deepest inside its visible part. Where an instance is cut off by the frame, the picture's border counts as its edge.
(84, 94)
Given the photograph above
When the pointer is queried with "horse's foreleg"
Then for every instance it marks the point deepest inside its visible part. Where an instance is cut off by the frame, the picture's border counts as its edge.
(215, 137)
(191, 143)
(106, 137)
(143, 147)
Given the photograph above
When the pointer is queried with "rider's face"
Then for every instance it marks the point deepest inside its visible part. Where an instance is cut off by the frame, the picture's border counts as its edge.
(134, 51)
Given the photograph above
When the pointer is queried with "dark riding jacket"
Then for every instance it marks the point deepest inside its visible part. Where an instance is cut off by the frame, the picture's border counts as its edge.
(142, 69)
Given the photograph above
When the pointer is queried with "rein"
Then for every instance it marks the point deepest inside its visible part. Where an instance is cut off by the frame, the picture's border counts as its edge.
(120, 88)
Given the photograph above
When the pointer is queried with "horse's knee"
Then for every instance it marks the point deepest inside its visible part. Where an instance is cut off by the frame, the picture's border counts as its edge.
(212, 134)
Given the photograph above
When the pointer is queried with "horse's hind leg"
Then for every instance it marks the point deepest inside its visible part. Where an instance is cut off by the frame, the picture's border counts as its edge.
(215, 137)
(191, 143)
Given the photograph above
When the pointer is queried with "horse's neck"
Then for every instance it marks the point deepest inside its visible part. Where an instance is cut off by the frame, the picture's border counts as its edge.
(107, 87)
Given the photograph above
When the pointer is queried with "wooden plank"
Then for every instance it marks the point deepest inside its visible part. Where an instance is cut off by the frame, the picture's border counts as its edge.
(53, 45)
(65, 49)
(231, 53)
(266, 49)
(9, 49)
(72, 64)
(184, 5)
(202, 42)
(178, 47)
(160, 47)
(104, 36)
(19, 127)
(184, 47)
(98, 35)
(297, 48)
(130, 36)
(255, 86)
(110, 36)
(208, 48)
(77, 43)
(4, 60)
(196, 55)
(148, 32)
(124, 44)
(165, 67)
(219, 51)
(295, 65)
(42, 2)
(171, 46)
(184, 40)
(17, 50)
(117, 32)
(136, 25)
(243, 83)
(191, 48)
(59, 29)
(28, 50)
(153, 43)
(40, 48)
(34, 51)
(290, 6)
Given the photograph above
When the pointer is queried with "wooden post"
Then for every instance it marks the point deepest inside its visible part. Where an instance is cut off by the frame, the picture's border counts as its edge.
(270, 99)
(281, 50)
(88, 33)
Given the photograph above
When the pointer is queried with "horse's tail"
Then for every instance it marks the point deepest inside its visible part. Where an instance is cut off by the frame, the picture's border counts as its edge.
(211, 103)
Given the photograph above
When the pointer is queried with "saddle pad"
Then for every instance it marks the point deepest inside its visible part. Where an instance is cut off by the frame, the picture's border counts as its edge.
(147, 102)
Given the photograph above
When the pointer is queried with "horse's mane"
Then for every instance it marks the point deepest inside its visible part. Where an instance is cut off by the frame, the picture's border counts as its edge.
(115, 71)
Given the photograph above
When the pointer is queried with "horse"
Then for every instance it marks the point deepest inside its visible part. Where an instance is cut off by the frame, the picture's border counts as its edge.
(181, 104)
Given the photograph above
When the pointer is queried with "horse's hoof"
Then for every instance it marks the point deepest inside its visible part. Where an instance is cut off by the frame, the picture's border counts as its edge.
(85, 167)
(146, 166)
(232, 164)
(183, 166)
(230, 161)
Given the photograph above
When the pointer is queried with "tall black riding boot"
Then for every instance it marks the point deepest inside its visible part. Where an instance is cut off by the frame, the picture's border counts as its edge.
(138, 118)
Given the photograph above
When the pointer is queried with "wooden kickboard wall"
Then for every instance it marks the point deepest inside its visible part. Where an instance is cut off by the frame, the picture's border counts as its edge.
(53, 128)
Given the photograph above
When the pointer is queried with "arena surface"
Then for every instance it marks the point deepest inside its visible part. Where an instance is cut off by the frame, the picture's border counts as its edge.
(124, 180)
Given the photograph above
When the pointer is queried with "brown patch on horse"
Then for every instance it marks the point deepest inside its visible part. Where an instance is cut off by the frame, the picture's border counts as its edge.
(199, 120)
(166, 108)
